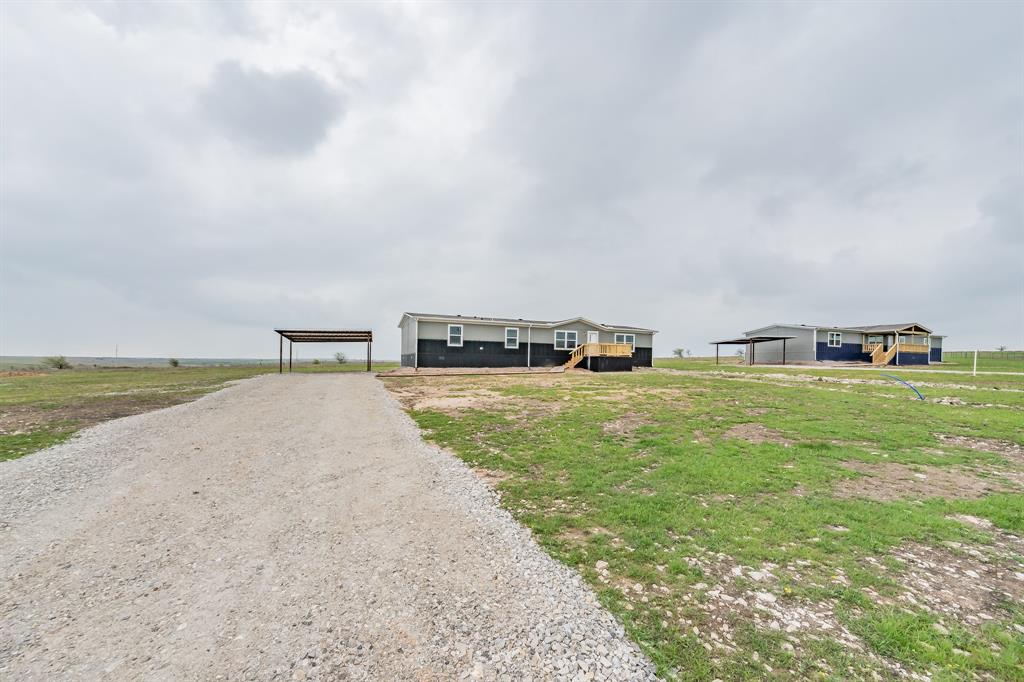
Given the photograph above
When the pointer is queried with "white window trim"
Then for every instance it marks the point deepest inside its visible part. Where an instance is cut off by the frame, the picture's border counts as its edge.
(462, 336)
(839, 339)
(631, 342)
(565, 345)
(512, 329)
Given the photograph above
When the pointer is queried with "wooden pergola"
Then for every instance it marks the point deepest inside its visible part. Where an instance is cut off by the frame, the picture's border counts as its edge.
(750, 342)
(320, 336)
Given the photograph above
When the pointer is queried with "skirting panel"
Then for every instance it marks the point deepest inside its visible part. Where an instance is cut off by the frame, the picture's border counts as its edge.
(911, 359)
(437, 353)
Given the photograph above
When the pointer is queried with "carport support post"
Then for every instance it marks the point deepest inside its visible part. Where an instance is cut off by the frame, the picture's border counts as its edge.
(716, 353)
(783, 351)
(280, 353)
(289, 355)
(369, 354)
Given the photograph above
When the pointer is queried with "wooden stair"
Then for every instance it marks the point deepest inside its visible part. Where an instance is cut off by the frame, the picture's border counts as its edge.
(578, 353)
(882, 357)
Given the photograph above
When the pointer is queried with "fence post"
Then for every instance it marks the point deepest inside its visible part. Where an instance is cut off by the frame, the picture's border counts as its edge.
(975, 373)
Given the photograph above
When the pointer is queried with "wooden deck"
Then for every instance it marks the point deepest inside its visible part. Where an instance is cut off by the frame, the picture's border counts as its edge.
(613, 350)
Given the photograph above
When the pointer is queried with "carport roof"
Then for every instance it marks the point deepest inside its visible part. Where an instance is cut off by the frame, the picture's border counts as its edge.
(325, 335)
(744, 340)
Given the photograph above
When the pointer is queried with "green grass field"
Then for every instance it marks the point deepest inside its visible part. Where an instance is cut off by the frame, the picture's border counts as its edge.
(988, 361)
(760, 524)
(41, 409)
(915, 375)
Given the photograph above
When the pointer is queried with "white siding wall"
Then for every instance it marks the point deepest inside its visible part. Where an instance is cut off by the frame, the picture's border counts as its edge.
(799, 349)
(848, 336)
(408, 335)
(496, 332)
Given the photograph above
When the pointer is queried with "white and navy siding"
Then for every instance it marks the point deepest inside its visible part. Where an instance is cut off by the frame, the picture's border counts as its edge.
(486, 345)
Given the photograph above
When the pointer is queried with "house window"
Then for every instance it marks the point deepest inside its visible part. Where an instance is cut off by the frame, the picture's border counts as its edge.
(626, 338)
(835, 339)
(455, 335)
(565, 340)
(511, 337)
(874, 338)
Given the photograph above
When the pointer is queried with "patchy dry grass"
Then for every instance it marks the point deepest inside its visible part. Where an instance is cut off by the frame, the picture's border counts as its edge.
(763, 524)
(885, 481)
(40, 409)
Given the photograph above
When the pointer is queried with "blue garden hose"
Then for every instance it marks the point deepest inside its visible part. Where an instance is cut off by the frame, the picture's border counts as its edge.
(919, 396)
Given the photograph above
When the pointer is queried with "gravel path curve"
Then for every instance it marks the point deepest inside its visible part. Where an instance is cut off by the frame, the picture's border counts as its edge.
(287, 527)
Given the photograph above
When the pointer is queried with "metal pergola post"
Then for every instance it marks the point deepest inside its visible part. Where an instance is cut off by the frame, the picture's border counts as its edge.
(289, 355)
(280, 353)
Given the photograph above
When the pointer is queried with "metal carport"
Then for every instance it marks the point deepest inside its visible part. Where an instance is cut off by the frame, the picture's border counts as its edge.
(751, 341)
(320, 336)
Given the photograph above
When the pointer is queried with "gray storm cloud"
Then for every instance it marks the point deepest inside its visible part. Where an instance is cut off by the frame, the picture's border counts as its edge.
(287, 113)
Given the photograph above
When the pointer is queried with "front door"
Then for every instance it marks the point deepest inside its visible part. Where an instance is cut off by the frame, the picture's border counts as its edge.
(592, 337)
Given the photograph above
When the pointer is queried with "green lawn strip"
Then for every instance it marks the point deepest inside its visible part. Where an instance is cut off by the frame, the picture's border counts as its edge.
(953, 653)
(934, 375)
(675, 488)
(17, 445)
(987, 362)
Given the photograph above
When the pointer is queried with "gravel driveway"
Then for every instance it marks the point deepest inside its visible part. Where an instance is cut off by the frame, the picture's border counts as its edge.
(287, 527)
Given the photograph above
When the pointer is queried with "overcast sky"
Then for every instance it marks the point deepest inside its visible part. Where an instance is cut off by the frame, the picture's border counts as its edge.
(178, 179)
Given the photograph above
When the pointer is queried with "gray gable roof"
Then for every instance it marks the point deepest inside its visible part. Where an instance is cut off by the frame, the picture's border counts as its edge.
(519, 320)
(867, 329)
(892, 327)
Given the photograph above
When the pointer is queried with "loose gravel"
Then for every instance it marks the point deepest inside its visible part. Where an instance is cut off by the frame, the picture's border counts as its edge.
(288, 527)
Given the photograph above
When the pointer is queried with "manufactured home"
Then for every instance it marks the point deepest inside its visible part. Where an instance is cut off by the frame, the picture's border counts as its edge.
(466, 341)
(908, 343)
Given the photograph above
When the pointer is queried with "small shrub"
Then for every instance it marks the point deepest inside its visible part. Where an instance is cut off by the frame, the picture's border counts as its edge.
(57, 362)
(678, 352)
(173, 362)
(316, 361)
(340, 357)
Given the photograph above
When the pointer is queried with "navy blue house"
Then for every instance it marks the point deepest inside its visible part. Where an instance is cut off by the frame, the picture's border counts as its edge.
(909, 343)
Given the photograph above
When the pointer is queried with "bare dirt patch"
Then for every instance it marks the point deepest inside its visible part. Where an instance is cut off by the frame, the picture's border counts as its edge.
(730, 594)
(625, 425)
(887, 481)
(444, 397)
(583, 535)
(756, 433)
(492, 477)
(959, 581)
(1006, 449)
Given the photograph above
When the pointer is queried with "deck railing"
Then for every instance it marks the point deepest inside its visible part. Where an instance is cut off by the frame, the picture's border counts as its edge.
(879, 356)
(613, 350)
